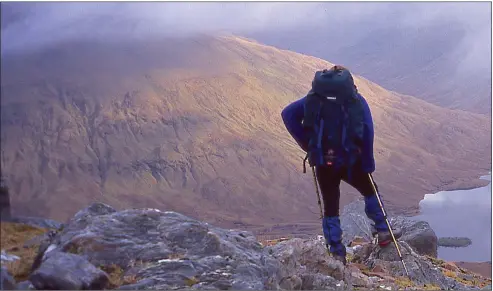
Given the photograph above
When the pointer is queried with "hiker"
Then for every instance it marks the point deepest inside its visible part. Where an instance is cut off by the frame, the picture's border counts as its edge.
(333, 124)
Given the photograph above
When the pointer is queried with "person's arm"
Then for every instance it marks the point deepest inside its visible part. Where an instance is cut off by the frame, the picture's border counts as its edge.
(292, 117)
(368, 160)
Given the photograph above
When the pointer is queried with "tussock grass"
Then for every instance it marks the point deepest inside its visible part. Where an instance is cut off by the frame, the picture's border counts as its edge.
(450, 274)
(117, 276)
(12, 239)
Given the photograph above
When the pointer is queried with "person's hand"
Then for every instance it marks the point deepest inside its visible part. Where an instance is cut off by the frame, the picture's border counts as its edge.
(329, 157)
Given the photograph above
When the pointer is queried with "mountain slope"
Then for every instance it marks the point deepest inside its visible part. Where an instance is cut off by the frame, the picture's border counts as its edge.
(193, 125)
(411, 59)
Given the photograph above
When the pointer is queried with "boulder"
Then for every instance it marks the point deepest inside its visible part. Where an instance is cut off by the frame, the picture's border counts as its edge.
(68, 271)
(419, 235)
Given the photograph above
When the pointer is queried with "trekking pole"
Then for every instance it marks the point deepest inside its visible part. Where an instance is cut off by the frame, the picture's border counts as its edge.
(318, 193)
(388, 224)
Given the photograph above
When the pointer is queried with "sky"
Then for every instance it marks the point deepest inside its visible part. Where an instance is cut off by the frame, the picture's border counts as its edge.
(30, 26)
(39, 23)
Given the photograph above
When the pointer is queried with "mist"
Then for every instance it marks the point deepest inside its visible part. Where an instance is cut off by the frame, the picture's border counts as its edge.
(34, 25)
(433, 45)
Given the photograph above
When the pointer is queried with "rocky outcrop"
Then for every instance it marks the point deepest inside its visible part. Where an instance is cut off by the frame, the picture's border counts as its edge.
(421, 271)
(167, 249)
(417, 234)
(150, 249)
(68, 272)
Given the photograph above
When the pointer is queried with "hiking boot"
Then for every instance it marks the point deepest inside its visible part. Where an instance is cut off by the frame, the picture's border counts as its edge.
(333, 237)
(384, 237)
(375, 213)
(338, 252)
(340, 258)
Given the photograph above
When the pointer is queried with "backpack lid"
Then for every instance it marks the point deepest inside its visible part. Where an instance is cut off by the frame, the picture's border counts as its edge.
(336, 82)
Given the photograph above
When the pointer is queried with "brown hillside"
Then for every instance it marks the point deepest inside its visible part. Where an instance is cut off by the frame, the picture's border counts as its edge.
(194, 126)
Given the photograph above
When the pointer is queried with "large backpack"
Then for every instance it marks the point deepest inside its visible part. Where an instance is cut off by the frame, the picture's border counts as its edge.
(333, 119)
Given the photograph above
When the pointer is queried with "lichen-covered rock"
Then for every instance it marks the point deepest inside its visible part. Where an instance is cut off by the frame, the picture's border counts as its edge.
(167, 250)
(421, 270)
(308, 260)
(174, 249)
(68, 272)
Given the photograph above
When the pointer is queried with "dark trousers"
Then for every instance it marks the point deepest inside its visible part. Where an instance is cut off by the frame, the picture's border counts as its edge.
(329, 180)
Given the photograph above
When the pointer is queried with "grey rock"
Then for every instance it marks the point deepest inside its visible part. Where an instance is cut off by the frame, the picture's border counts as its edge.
(307, 259)
(314, 281)
(167, 250)
(357, 279)
(150, 235)
(421, 270)
(25, 285)
(293, 282)
(418, 234)
(68, 271)
(354, 222)
(174, 250)
(4, 257)
(6, 280)
(141, 285)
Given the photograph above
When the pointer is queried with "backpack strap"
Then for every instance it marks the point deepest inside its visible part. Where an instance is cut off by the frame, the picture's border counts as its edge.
(304, 163)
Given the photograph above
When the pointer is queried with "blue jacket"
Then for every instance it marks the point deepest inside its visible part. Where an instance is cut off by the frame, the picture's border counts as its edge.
(292, 116)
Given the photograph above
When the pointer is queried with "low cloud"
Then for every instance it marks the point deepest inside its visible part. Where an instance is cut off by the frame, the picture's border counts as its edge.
(28, 26)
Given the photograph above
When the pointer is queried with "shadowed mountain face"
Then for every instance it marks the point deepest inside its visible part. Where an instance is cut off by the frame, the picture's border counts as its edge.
(429, 62)
(193, 125)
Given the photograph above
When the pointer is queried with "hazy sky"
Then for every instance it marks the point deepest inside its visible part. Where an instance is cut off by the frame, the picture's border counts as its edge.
(32, 25)
(36, 23)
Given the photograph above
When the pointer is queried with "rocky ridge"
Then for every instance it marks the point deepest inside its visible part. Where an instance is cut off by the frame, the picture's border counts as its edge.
(152, 249)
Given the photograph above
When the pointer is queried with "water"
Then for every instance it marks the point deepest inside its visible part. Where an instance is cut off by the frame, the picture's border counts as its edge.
(461, 213)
